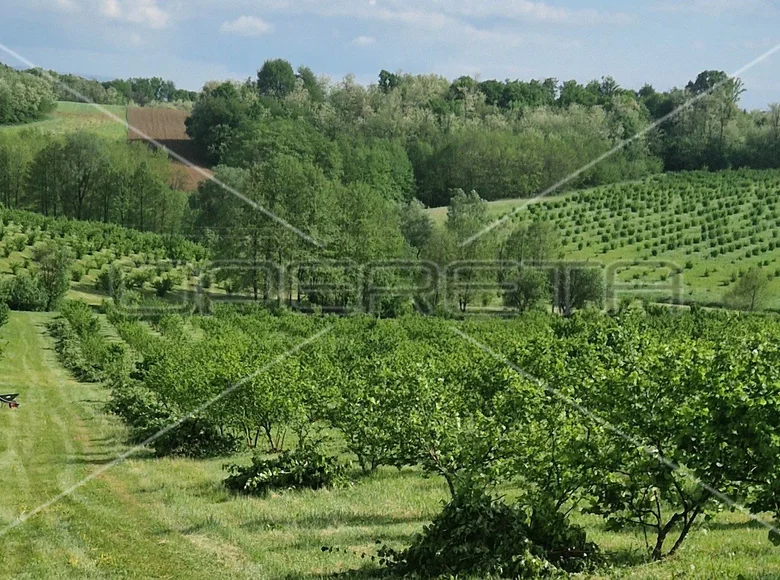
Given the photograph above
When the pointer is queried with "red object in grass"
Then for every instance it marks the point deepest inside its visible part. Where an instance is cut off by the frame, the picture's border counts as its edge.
(13, 405)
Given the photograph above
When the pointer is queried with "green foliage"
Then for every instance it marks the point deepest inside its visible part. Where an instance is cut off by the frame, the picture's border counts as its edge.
(24, 292)
(163, 285)
(481, 536)
(111, 281)
(276, 79)
(53, 266)
(4, 312)
(751, 291)
(304, 468)
(81, 346)
(84, 176)
(23, 97)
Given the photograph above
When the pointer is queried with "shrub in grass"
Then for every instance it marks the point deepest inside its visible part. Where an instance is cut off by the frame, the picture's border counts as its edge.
(140, 277)
(4, 310)
(111, 281)
(76, 272)
(479, 536)
(23, 292)
(304, 468)
(146, 415)
(19, 242)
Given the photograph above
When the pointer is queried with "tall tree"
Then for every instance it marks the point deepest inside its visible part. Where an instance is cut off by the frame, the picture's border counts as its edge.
(276, 79)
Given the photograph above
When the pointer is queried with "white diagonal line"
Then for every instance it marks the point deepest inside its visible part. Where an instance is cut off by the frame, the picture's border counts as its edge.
(159, 145)
(620, 146)
(119, 459)
(647, 449)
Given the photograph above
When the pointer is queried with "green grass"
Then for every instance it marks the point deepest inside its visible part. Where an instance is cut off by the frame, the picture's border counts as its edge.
(156, 518)
(495, 209)
(69, 117)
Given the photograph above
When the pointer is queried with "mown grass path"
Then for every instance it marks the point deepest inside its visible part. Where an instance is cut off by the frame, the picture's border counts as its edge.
(58, 436)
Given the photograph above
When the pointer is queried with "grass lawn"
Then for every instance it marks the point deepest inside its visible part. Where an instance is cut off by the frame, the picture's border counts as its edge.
(69, 117)
(495, 209)
(169, 518)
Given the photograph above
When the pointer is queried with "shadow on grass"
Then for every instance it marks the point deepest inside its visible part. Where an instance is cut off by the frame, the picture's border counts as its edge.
(329, 520)
(625, 557)
(748, 525)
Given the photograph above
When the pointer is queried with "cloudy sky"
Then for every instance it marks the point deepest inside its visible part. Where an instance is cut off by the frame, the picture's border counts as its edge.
(664, 42)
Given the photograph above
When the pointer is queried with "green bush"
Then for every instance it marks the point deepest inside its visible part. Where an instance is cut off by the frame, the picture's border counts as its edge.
(480, 536)
(305, 468)
(3, 313)
(23, 292)
(163, 285)
(76, 272)
(147, 417)
(111, 281)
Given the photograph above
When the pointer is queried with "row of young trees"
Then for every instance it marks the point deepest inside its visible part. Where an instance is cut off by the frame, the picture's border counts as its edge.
(86, 177)
(54, 252)
(610, 415)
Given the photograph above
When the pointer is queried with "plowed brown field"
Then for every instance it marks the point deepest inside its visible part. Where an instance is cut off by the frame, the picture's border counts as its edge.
(166, 126)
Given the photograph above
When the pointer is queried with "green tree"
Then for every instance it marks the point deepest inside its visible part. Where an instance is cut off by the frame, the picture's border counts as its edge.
(466, 218)
(312, 84)
(575, 286)
(416, 225)
(276, 79)
(53, 270)
(750, 292)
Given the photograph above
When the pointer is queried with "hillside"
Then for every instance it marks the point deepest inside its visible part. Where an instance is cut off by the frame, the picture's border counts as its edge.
(68, 117)
(712, 226)
(164, 125)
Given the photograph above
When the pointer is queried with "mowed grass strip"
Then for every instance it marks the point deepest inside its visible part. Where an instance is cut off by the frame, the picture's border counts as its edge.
(57, 437)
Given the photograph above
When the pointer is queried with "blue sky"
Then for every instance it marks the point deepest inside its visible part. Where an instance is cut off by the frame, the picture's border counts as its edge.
(664, 42)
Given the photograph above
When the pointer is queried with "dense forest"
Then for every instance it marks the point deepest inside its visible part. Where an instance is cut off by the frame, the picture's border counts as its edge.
(424, 136)
(23, 98)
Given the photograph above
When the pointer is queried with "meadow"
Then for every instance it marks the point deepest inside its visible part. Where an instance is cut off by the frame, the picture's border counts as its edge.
(69, 117)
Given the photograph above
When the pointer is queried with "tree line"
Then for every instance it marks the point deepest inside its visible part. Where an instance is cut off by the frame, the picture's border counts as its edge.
(503, 139)
(87, 177)
(31, 94)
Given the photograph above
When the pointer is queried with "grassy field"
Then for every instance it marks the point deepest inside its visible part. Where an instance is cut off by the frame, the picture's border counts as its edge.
(169, 518)
(69, 117)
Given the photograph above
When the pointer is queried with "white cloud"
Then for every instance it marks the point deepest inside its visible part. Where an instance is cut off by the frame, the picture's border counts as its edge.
(533, 11)
(438, 13)
(146, 13)
(249, 26)
(62, 6)
(717, 7)
(363, 40)
(110, 9)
